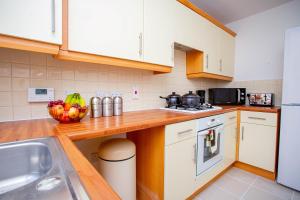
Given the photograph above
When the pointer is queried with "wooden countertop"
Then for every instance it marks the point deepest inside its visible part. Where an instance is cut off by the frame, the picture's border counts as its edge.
(95, 185)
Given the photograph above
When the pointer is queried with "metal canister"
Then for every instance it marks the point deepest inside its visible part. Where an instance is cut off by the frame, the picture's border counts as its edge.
(107, 106)
(96, 107)
(118, 105)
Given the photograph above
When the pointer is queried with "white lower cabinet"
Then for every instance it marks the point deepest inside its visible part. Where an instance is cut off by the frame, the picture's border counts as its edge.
(180, 169)
(230, 131)
(258, 145)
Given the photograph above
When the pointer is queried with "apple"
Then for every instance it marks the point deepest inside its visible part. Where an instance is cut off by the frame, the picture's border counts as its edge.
(73, 113)
(65, 117)
(57, 110)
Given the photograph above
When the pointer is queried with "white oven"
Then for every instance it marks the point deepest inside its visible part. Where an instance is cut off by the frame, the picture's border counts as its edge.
(210, 142)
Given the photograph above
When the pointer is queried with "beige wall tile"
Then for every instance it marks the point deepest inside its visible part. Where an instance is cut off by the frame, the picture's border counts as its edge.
(38, 59)
(5, 99)
(39, 110)
(54, 73)
(38, 72)
(20, 70)
(5, 55)
(20, 57)
(20, 98)
(20, 84)
(5, 84)
(21, 112)
(5, 69)
(6, 114)
(68, 73)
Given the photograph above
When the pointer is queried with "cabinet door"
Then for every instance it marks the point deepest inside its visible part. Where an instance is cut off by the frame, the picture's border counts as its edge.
(32, 19)
(258, 145)
(211, 48)
(110, 28)
(180, 169)
(227, 51)
(158, 38)
(230, 133)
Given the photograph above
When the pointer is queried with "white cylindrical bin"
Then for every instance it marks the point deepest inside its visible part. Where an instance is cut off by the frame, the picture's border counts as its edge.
(117, 166)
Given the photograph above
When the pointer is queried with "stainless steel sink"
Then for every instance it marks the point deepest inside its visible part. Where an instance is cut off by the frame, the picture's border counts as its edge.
(37, 170)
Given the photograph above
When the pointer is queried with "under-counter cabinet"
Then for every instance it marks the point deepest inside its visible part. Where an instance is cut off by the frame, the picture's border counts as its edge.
(108, 28)
(32, 19)
(230, 132)
(258, 139)
(180, 160)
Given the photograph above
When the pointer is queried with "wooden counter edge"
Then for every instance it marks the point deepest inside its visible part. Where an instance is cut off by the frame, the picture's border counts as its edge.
(94, 184)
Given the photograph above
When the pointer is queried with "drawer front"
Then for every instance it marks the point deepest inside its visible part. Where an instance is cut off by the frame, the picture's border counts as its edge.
(180, 131)
(268, 119)
(230, 118)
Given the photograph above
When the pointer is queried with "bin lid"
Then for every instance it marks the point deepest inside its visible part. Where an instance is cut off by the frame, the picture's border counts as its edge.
(116, 149)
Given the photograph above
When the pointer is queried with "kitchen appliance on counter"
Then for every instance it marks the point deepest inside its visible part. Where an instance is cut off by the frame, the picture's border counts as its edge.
(227, 96)
(107, 106)
(201, 94)
(210, 142)
(261, 99)
(288, 161)
(190, 100)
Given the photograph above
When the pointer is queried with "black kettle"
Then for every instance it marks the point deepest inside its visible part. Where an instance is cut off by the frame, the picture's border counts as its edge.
(173, 100)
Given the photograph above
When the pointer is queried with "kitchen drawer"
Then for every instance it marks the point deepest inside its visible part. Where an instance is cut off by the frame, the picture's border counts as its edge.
(230, 118)
(267, 119)
(180, 131)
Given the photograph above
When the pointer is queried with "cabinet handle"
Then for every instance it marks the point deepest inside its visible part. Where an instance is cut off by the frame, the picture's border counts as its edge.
(233, 117)
(141, 44)
(221, 67)
(243, 133)
(206, 61)
(257, 118)
(195, 153)
(53, 16)
(184, 132)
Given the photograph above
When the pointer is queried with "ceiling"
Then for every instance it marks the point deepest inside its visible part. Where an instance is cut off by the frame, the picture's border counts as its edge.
(228, 11)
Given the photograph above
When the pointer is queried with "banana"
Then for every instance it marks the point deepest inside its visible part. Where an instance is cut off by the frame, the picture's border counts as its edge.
(69, 98)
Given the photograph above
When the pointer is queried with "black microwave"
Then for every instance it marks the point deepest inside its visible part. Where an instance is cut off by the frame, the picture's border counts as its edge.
(227, 96)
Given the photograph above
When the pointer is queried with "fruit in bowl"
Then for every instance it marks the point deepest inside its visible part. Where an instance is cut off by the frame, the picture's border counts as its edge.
(73, 109)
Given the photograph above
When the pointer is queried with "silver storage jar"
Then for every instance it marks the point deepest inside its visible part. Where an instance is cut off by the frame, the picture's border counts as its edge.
(118, 105)
(96, 107)
(107, 106)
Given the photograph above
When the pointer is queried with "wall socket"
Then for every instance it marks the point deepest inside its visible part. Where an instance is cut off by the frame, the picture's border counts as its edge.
(135, 92)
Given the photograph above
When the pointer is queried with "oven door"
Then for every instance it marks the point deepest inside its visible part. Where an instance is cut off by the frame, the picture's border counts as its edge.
(210, 148)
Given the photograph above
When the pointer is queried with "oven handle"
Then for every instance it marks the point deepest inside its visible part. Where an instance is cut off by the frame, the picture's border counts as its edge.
(216, 129)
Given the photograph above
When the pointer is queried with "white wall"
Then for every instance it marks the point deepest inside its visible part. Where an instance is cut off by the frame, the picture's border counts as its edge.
(260, 42)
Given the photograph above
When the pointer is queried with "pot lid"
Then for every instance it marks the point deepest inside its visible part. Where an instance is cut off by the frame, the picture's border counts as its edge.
(174, 95)
(191, 94)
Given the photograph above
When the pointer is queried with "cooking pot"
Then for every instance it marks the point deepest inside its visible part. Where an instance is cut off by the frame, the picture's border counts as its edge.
(190, 100)
(173, 99)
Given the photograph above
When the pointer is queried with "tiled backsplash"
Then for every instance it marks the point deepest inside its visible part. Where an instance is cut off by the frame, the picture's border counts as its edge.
(20, 70)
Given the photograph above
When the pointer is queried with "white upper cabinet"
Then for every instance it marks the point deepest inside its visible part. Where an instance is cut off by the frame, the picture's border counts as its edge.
(227, 50)
(158, 46)
(108, 28)
(39, 20)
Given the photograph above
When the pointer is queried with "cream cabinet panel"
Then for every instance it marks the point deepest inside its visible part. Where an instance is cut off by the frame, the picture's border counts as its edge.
(109, 28)
(32, 19)
(230, 142)
(258, 145)
(189, 28)
(268, 119)
(227, 51)
(158, 37)
(180, 169)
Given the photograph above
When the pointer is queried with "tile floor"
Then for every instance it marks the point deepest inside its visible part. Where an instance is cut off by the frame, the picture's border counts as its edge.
(239, 184)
